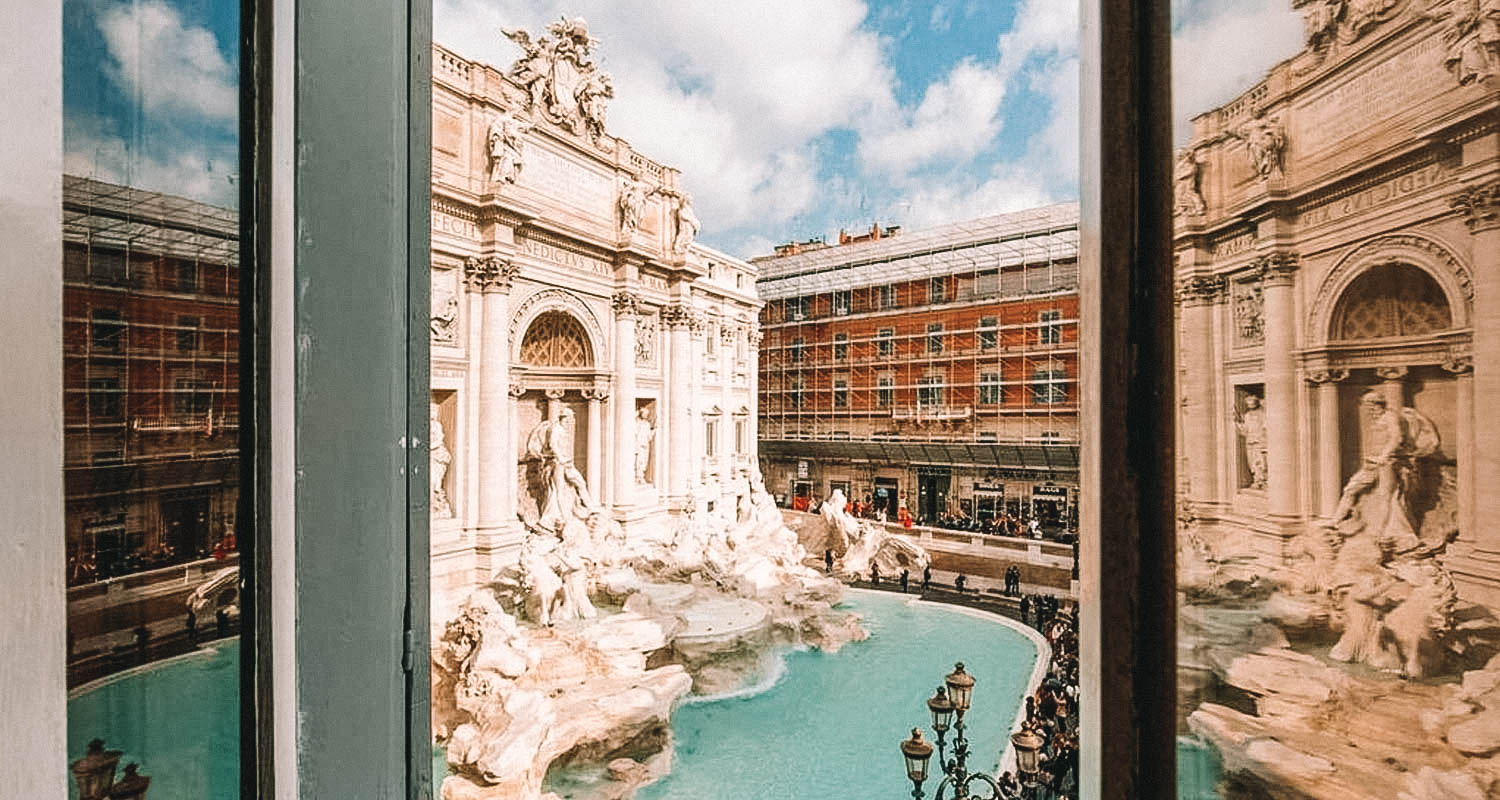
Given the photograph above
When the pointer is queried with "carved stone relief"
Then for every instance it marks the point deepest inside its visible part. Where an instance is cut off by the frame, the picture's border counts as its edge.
(1249, 320)
(1471, 38)
(645, 340)
(504, 145)
(1186, 177)
(562, 81)
(444, 319)
(1265, 145)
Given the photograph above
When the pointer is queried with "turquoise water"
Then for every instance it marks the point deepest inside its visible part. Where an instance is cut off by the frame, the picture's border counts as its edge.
(1198, 770)
(179, 721)
(831, 725)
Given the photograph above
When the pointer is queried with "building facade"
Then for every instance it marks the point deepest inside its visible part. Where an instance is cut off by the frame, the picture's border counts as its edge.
(151, 378)
(567, 285)
(934, 369)
(1337, 235)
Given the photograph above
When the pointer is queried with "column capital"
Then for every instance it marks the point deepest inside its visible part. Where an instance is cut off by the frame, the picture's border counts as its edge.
(1276, 268)
(1201, 289)
(595, 394)
(1326, 376)
(490, 273)
(676, 316)
(697, 324)
(756, 335)
(627, 304)
(555, 394)
(1480, 206)
(1391, 373)
(516, 390)
(1459, 361)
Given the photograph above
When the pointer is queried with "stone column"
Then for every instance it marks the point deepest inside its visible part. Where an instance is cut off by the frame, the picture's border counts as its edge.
(752, 446)
(555, 407)
(697, 328)
(1330, 466)
(1278, 274)
(1198, 295)
(474, 344)
(627, 307)
(1392, 385)
(513, 441)
(679, 403)
(496, 504)
(1461, 363)
(595, 440)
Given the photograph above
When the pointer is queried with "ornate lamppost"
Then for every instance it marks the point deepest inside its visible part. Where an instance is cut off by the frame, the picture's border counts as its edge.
(1028, 746)
(95, 772)
(948, 707)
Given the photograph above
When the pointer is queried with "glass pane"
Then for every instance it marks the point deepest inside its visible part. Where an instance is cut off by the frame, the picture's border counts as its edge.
(1336, 261)
(804, 220)
(151, 307)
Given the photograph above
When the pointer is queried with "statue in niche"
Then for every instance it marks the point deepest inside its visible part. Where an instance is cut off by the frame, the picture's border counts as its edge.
(1377, 497)
(645, 435)
(633, 195)
(687, 225)
(504, 145)
(1251, 423)
(1471, 38)
(440, 459)
(1265, 145)
(562, 495)
(1185, 179)
(444, 317)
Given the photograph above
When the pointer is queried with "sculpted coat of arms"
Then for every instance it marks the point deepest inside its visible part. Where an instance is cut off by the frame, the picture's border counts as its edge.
(560, 77)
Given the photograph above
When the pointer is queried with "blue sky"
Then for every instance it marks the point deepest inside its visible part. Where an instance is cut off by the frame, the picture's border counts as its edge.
(789, 119)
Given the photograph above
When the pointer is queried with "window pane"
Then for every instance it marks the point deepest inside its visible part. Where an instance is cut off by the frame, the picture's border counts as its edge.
(151, 298)
(1336, 243)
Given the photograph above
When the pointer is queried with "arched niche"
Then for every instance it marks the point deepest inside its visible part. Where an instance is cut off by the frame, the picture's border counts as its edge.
(1390, 300)
(1410, 250)
(548, 301)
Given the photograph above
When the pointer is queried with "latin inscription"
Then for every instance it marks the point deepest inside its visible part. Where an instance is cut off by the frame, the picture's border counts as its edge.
(1383, 192)
(567, 182)
(564, 258)
(1390, 87)
(1234, 246)
(451, 224)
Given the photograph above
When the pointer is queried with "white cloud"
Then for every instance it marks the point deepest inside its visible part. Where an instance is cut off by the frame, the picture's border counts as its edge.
(1221, 48)
(1007, 188)
(956, 119)
(941, 19)
(166, 65)
(190, 170)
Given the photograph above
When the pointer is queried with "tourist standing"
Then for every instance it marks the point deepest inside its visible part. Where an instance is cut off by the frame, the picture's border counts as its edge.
(875, 574)
(905, 575)
(958, 583)
(926, 577)
(828, 559)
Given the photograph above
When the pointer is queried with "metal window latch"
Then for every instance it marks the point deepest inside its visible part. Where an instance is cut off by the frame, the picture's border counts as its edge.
(408, 651)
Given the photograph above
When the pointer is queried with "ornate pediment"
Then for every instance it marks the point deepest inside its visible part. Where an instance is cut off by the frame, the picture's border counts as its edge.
(561, 80)
(1330, 24)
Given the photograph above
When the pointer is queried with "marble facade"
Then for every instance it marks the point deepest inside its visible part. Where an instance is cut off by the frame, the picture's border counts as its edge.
(567, 284)
(1337, 233)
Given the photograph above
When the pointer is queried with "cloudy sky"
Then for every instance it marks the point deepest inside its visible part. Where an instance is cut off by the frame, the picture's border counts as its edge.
(789, 118)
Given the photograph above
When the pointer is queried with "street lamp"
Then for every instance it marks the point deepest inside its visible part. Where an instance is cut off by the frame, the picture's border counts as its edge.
(948, 707)
(1028, 747)
(95, 772)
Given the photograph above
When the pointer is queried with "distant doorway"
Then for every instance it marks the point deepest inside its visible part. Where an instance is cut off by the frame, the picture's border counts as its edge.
(932, 496)
(185, 524)
(886, 496)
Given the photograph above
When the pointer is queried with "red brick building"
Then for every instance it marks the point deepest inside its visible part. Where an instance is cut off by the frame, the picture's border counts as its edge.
(151, 378)
(934, 368)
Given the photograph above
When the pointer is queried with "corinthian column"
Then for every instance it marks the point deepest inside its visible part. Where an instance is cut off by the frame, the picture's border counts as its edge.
(1198, 296)
(496, 508)
(595, 396)
(1480, 206)
(472, 377)
(752, 444)
(1330, 466)
(679, 402)
(1278, 271)
(1461, 364)
(627, 306)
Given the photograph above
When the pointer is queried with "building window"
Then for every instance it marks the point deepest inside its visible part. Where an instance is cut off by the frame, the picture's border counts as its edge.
(842, 302)
(711, 438)
(840, 346)
(711, 342)
(104, 398)
(1051, 331)
(935, 337)
(108, 266)
(930, 391)
(191, 397)
(989, 333)
(741, 436)
(840, 393)
(108, 329)
(799, 348)
(187, 333)
(937, 290)
(987, 284)
(885, 341)
(185, 277)
(797, 394)
(989, 388)
(888, 296)
(885, 392)
(796, 308)
(1047, 386)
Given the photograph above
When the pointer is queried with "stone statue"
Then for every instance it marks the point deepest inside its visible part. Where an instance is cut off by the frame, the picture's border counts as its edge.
(687, 225)
(633, 194)
(441, 458)
(1185, 178)
(561, 80)
(1265, 144)
(864, 545)
(444, 317)
(504, 141)
(1376, 498)
(545, 599)
(645, 434)
(1471, 38)
(1252, 426)
(565, 499)
(1320, 21)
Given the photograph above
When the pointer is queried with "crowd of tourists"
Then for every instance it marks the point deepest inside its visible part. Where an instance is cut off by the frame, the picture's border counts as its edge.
(1052, 710)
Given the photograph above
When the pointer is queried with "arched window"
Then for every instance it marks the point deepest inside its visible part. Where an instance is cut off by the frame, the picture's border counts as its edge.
(1391, 300)
(556, 339)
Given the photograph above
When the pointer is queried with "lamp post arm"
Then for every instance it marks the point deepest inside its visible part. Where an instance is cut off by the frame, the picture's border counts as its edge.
(994, 787)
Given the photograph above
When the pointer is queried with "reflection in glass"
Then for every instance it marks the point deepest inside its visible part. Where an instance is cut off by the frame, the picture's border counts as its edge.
(1336, 247)
(151, 298)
